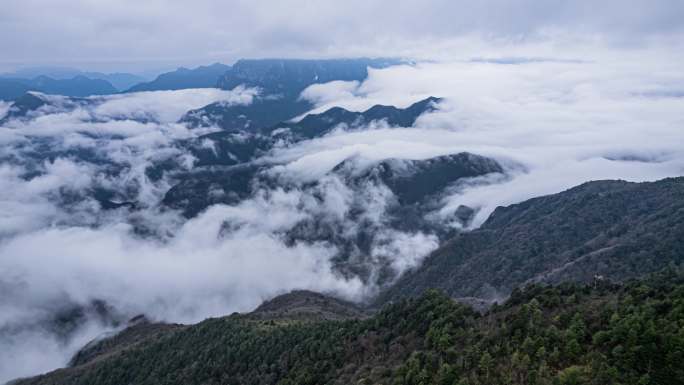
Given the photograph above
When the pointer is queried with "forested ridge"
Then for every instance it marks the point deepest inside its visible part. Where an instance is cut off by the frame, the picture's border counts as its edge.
(601, 333)
(617, 229)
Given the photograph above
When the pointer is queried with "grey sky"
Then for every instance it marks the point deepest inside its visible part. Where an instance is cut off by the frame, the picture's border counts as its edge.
(135, 34)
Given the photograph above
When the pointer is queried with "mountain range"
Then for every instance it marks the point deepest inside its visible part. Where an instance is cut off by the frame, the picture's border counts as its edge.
(78, 86)
(76, 83)
(120, 80)
(580, 286)
(280, 83)
(272, 76)
(182, 78)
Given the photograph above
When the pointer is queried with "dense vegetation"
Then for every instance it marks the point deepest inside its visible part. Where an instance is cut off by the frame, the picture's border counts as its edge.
(601, 333)
(617, 229)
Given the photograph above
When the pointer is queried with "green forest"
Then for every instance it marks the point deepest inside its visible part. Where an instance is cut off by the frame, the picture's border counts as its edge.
(599, 333)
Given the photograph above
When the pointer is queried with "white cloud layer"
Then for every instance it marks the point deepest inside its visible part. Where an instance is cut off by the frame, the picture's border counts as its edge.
(156, 33)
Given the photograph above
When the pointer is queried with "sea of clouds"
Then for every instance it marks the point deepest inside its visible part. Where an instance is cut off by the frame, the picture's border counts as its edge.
(552, 124)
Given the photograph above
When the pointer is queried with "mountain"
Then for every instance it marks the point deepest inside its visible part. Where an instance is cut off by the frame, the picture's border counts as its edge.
(415, 187)
(229, 148)
(280, 82)
(614, 229)
(137, 331)
(569, 334)
(415, 181)
(228, 171)
(183, 78)
(261, 113)
(23, 106)
(10, 89)
(317, 125)
(119, 80)
(78, 86)
(289, 77)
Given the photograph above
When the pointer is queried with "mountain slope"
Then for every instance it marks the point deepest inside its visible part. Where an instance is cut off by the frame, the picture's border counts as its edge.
(183, 78)
(615, 229)
(229, 148)
(602, 334)
(280, 82)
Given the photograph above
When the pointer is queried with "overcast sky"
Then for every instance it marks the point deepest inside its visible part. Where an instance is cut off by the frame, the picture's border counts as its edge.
(149, 34)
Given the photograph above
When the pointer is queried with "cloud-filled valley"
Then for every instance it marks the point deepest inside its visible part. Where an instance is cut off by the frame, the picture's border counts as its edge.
(84, 212)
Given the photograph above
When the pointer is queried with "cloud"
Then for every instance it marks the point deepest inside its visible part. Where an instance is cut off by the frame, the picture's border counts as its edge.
(4, 107)
(101, 33)
(59, 248)
(564, 122)
(169, 106)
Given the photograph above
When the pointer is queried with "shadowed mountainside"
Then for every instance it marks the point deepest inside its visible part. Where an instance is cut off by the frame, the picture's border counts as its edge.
(615, 229)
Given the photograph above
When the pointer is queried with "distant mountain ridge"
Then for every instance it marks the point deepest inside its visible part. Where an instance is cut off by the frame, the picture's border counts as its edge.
(289, 77)
(78, 86)
(120, 80)
(280, 82)
(184, 78)
(277, 78)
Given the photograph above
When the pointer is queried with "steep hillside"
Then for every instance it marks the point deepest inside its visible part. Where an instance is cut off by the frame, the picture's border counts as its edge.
(598, 334)
(615, 229)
